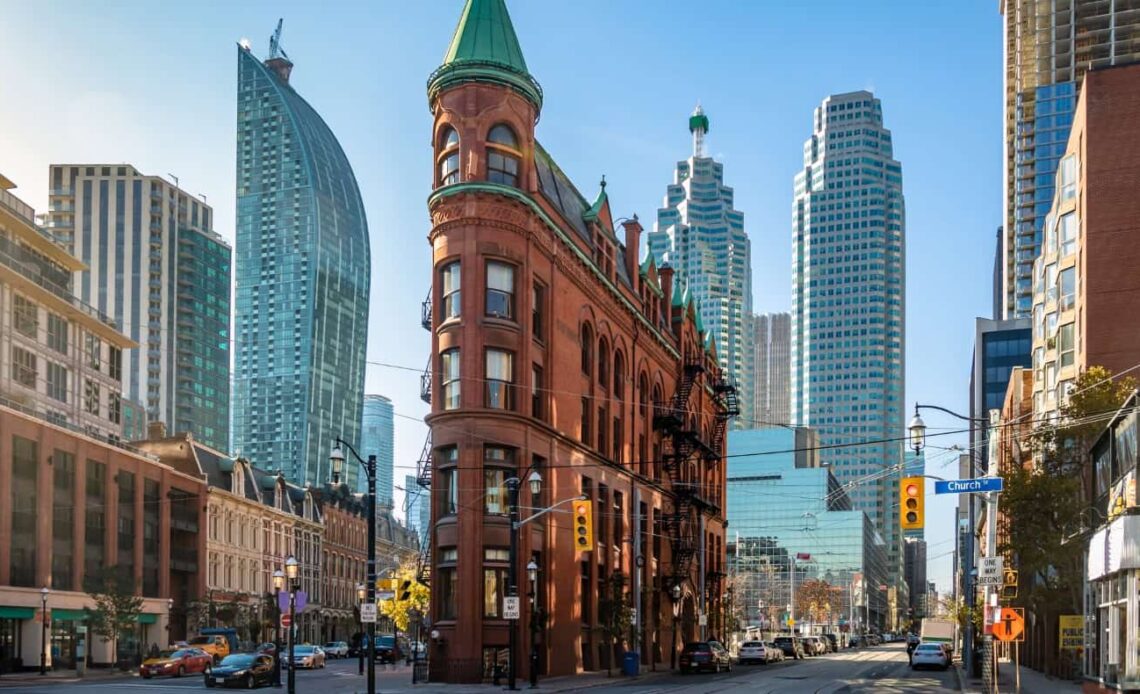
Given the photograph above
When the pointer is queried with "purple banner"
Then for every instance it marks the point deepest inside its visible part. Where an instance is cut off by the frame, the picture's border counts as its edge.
(283, 601)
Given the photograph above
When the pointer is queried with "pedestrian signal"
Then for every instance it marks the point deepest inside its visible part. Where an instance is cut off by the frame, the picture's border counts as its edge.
(911, 512)
(584, 525)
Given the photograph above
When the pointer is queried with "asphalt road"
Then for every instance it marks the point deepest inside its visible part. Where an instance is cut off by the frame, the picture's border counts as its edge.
(882, 669)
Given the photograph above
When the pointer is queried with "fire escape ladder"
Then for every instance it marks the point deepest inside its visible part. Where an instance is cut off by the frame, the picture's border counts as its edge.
(425, 312)
(425, 383)
(423, 465)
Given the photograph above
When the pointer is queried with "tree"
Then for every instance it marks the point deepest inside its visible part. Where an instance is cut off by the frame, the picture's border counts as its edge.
(615, 614)
(400, 609)
(117, 606)
(814, 597)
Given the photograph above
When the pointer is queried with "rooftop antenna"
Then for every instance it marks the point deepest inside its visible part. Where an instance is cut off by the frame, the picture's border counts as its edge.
(275, 42)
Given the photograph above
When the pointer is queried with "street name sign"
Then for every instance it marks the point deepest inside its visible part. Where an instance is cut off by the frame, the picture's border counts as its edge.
(511, 607)
(368, 613)
(974, 486)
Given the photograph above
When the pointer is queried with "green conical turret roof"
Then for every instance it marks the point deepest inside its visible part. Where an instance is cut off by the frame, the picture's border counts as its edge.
(485, 49)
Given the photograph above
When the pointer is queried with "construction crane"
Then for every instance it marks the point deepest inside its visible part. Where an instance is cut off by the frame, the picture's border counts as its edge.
(275, 42)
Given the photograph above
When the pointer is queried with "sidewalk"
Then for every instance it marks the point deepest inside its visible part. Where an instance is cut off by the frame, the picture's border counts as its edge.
(1032, 682)
(63, 676)
(568, 683)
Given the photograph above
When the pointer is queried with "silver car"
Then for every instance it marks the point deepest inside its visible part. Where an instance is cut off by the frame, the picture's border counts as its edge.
(336, 649)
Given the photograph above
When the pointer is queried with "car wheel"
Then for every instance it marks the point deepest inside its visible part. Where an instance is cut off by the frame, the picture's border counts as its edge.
(249, 683)
(209, 683)
(730, 666)
(181, 671)
(146, 675)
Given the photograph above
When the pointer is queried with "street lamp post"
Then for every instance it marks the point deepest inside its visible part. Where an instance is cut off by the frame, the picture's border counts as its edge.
(361, 595)
(278, 585)
(675, 596)
(292, 571)
(532, 576)
(918, 442)
(535, 481)
(43, 630)
(336, 458)
(169, 618)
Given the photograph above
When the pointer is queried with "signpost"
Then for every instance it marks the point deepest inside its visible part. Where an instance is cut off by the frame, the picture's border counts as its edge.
(969, 486)
(368, 613)
(511, 607)
(990, 572)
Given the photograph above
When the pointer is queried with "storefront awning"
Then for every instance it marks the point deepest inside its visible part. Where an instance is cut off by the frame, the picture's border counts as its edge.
(1114, 547)
(146, 618)
(59, 614)
(17, 612)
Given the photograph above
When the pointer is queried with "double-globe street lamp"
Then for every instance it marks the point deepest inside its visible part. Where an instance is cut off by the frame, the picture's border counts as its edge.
(278, 585)
(918, 442)
(532, 576)
(292, 572)
(336, 460)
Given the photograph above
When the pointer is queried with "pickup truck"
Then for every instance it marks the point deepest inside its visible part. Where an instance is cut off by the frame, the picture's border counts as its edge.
(218, 642)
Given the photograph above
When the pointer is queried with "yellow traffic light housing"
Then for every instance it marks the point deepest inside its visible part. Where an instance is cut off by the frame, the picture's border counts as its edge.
(911, 511)
(584, 525)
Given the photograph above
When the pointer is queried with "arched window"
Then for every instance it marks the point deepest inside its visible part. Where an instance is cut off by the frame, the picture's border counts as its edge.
(603, 363)
(449, 157)
(642, 394)
(587, 349)
(502, 156)
(619, 376)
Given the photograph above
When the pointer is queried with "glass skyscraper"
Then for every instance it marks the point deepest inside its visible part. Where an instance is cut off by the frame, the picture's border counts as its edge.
(376, 438)
(1049, 45)
(849, 302)
(771, 385)
(156, 266)
(303, 269)
(788, 516)
(701, 235)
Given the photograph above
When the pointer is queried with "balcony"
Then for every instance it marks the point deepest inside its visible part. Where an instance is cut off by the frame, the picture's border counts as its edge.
(425, 385)
(425, 312)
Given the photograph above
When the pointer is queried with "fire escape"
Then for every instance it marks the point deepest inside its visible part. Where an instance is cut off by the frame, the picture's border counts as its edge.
(681, 429)
(687, 447)
(423, 465)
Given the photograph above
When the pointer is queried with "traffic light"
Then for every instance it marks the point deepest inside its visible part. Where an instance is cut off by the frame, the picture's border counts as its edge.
(911, 503)
(584, 525)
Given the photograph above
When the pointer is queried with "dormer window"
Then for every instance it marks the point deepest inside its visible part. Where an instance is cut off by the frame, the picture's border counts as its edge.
(502, 156)
(449, 157)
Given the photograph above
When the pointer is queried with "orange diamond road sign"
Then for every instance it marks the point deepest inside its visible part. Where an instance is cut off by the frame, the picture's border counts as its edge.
(1010, 624)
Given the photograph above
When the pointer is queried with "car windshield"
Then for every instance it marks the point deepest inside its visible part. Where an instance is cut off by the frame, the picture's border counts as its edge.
(238, 660)
(331, 644)
(696, 647)
(751, 644)
(182, 653)
(303, 650)
(385, 641)
(201, 639)
(932, 647)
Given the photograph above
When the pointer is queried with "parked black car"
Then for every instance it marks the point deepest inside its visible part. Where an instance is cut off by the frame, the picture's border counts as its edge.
(387, 650)
(834, 641)
(242, 670)
(704, 655)
(792, 646)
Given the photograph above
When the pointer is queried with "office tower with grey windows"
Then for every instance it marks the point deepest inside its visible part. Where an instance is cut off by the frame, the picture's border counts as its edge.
(848, 299)
(303, 272)
(772, 385)
(156, 266)
(377, 434)
(1048, 47)
(701, 235)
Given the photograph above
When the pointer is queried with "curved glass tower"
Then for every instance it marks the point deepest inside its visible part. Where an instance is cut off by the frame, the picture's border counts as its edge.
(303, 269)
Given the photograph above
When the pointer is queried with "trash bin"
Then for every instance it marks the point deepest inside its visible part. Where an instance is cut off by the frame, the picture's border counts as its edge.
(630, 663)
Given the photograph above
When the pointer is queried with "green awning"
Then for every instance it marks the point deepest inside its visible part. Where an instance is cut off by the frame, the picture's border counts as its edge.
(59, 614)
(17, 612)
(146, 618)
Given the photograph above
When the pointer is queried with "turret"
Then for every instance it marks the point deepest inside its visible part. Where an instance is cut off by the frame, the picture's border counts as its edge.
(485, 103)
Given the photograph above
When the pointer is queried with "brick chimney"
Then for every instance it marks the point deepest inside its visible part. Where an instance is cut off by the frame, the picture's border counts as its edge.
(633, 231)
(156, 431)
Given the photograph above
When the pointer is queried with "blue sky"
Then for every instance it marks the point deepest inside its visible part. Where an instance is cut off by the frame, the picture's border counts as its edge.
(153, 84)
